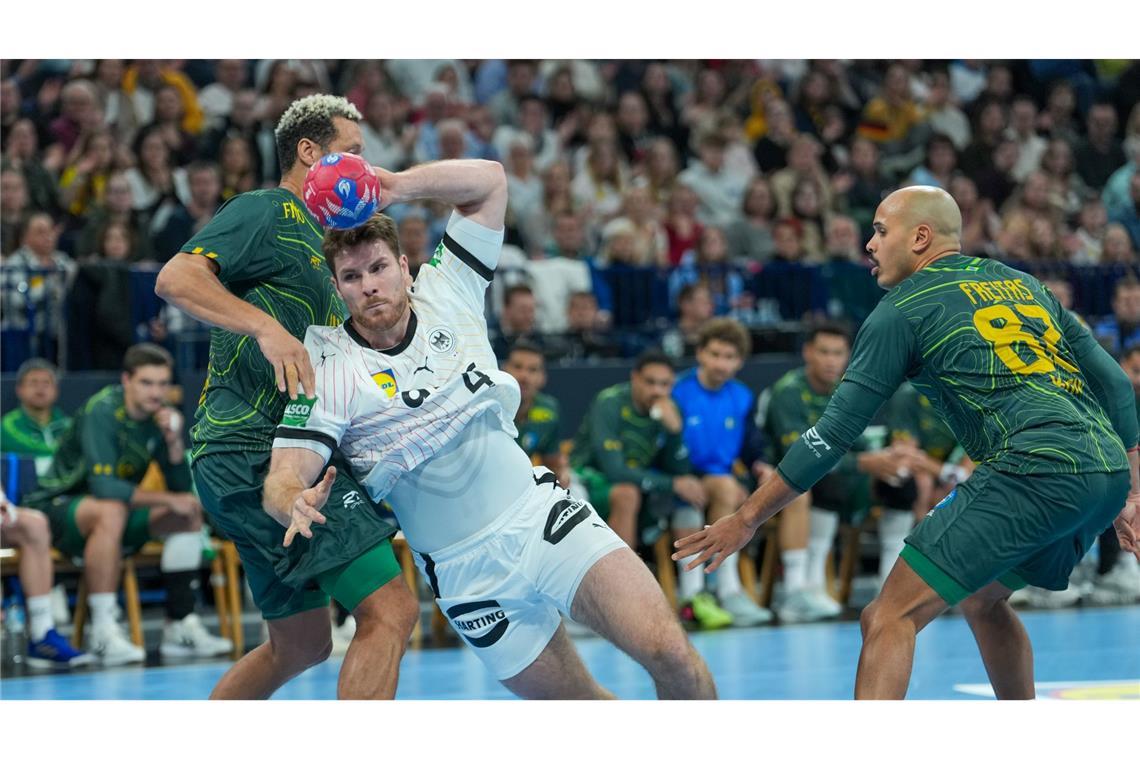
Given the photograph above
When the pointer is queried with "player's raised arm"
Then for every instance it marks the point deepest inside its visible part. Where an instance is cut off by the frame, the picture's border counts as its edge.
(477, 189)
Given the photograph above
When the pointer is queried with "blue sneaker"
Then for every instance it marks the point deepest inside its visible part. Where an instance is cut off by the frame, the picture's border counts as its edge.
(54, 651)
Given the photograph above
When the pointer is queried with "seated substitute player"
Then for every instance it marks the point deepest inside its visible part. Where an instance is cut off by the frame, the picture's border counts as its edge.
(501, 544)
(538, 416)
(29, 531)
(97, 511)
(1028, 393)
(35, 427)
(718, 411)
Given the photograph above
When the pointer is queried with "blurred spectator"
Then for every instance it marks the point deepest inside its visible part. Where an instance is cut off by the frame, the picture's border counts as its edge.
(237, 167)
(21, 154)
(796, 289)
(695, 305)
(385, 144)
(661, 99)
(516, 321)
(117, 206)
(1117, 192)
(35, 279)
(771, 150)
(980, 224)
(169, 120)
(809, 211)
(939, 164)
(83, 183)
(533, 120)
(174, 224)
(100, 301)
(995, 180)
(522, 79)
(868, 186)
(362, 80)
(1121, 331)
(942, 113)
(413, 233)
(1023, 130)
(1086, 244)
(719, 188)
(889, 118)
(240, 122)
(217, 99)
(33, 429)
(630, 455)
(705, 100)
(480, 134)
(660, 170)
(967, 80)
(79, 112)
(599, 185)
(146, 77)
(587, 335)
(633, 127)
(568, 243)
(13, 208)
(11, 105)
(843, 243)
(1100, 153)
(710, 267)
(650, 241)
(737, 152)
(525, 217)
(562, 100)
(803, 164)
(155, 179)
(1059, 117)
(118, 109)
(989, 129)
(556, 197)
(1128, 216)
(750, 235)
(1118, 248)
(1065, 187)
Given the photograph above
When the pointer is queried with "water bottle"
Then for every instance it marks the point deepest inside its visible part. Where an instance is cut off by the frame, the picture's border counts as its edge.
(15, 634)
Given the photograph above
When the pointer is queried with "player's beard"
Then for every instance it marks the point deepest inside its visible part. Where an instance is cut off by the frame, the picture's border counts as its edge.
(383, 319)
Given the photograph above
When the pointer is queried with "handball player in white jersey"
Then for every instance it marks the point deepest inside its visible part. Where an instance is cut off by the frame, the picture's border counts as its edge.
(411, 393)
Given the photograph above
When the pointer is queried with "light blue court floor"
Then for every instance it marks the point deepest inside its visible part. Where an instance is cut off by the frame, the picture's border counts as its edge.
(1080, 654)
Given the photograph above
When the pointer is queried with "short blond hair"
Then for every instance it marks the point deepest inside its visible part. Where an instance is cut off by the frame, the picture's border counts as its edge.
(310, 117)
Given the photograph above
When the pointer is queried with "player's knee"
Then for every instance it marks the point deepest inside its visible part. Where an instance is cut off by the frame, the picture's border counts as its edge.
(35, 530)
(394, 613)
(625, 497)
(110, 516)
(671, 654)
(299, 656)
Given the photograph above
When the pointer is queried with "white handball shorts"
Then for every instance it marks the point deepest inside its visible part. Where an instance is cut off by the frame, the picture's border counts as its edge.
(502, 588)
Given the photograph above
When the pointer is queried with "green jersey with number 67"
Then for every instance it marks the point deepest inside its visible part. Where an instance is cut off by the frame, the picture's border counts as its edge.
(995, 353)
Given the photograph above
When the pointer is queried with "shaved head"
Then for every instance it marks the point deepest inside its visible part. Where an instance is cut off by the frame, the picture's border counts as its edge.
(923, 204)
(913, 226)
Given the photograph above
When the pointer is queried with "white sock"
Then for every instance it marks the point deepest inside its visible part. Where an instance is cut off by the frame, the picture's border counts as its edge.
(690, 582)
(103, 608)
(39, 616)
(728, 576)
(893, 529)
(795, 569)
(823, 527)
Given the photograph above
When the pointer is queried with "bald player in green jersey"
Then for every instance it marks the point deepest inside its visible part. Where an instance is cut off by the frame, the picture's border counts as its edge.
(256, 272)
(1048, 416)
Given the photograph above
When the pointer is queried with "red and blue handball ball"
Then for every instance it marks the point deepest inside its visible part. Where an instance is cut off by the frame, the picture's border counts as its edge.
(342, 191)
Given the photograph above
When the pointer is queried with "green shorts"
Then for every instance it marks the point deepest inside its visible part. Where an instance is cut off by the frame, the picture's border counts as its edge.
(1017, 529)
(348, 557)
(65, 534)
(657, 507)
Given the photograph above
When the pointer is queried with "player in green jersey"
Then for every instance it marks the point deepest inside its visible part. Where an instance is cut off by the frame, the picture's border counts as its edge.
(256, 272)
(1048, 416)
(35, 427)
(538, 417)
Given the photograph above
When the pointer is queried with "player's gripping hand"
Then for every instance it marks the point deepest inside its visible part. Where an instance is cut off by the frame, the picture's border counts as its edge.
(1127, 525)
(307, 508)
(290, 360)
(715, 542)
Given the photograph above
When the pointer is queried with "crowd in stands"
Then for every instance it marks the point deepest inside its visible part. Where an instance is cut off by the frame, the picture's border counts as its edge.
(634, 185)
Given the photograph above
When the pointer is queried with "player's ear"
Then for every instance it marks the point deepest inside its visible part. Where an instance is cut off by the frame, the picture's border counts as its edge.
(308, 152)
(923, 237)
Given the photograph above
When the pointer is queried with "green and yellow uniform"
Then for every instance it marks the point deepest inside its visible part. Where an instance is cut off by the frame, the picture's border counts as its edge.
(1028, 394)
(790, 407)
(538, 433)
(268, 252)
(21, 434)
(103, 454)
(618, 444)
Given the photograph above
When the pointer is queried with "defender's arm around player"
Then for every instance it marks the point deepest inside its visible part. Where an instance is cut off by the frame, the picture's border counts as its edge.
(503, 545)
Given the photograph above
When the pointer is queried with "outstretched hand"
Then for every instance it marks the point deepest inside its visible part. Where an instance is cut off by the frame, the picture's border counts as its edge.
(307, 508)
(1127, 525)
(717, 541)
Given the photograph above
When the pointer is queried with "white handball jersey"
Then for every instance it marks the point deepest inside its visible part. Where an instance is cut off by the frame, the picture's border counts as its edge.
(428, 423)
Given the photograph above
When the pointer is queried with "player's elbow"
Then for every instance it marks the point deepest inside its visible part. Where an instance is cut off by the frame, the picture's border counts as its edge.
(166, 286)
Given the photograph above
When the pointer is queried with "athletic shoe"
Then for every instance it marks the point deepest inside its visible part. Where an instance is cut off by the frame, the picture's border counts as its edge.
(805, 606)
(342, 635)
(60, 614)
(826, 602)
(54, 651)
(188, 637)
(1044, 599)
(703, 610)
(1120, 585)
(744, 611)
(110, 643)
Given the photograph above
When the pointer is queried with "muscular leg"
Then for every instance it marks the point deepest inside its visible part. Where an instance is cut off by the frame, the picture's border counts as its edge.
(725, 495)
(1002, 641)
(101, 523)
(32, 534)
(296, 643)
(890, 625)
(384, 622)
(558, 673)
(795, 520)
(620, 599)
(625, 503)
